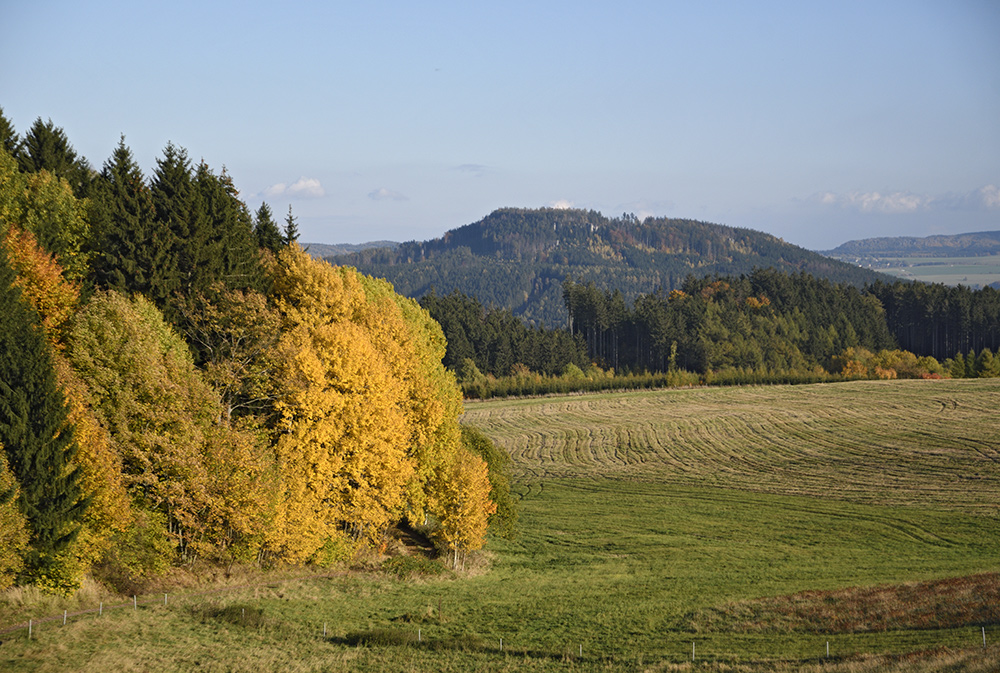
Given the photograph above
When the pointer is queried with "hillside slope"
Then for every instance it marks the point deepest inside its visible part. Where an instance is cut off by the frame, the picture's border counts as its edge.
(957, 245)
(518, 258)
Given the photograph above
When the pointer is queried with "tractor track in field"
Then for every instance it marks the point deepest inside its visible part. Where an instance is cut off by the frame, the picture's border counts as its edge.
(902, 442)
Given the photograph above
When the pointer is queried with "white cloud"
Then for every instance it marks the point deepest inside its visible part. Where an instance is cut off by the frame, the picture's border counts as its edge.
(982, 199)
(383, 194)
(561, 204)
(276, 190)
(306, 188)
(877, 202)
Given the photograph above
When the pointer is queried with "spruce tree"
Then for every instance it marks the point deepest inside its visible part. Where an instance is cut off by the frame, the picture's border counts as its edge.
(39, 444)
(291, 228)
(240, 254)
(46, 147)
(266, 229)
(132, 251)
(9, 141)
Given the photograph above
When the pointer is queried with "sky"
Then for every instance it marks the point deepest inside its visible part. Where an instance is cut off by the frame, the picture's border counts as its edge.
(819, 122)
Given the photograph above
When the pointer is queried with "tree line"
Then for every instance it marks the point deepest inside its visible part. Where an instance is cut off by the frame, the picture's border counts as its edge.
(766, 326)
(180, 381)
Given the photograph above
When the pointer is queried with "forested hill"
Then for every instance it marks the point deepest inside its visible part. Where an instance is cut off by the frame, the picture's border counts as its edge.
(956, 245)
(518, 259)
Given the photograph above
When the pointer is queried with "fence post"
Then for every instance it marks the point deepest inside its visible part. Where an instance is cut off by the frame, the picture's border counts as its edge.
(64, 617)
(135, 602)
(29, 629)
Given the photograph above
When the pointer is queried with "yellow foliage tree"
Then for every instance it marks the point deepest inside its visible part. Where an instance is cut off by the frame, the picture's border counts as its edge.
(13, 526)
(466, 504)
(342, 447)
(368, 428)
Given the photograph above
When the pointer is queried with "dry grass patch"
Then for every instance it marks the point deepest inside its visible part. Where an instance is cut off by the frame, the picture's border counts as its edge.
(972, 601)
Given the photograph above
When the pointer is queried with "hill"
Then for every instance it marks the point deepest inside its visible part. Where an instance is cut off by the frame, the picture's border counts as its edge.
(957, 245)
(518, 259)
(971, 259)
(324, 250)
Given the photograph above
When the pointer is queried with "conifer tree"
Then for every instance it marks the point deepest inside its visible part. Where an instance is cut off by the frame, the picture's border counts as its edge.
(174, 201)
(266, 229)
(39, 443)
(132, 250)
(9, 140)
(46, 147)
(291, 234)
(241, 261)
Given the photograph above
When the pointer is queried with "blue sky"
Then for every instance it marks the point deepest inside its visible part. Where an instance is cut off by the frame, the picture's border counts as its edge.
(818, 122)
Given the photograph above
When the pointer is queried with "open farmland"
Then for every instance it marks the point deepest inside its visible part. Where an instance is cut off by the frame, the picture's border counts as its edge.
(756, 525)
(927, 443)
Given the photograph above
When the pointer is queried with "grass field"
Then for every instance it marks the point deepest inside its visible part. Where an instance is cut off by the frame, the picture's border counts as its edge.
(755, 524)
(968, 271)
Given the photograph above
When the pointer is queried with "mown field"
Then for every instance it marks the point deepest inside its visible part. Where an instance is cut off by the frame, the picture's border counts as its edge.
(756, 525)
(969, 271)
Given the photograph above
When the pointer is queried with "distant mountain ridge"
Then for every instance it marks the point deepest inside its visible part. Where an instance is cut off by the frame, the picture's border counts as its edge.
(954, 245)
(518, 258)
(324, 250)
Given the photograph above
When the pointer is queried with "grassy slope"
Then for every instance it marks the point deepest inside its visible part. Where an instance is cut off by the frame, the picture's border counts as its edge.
(650, 521)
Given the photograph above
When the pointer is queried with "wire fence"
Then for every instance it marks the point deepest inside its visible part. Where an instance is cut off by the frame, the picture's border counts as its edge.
(702, 648)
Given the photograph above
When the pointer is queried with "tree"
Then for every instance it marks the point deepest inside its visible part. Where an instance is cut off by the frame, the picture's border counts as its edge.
(9, 141)
(233, 334)
(291, 233)
(39, 442)
(466, 505)
(13, 526)
(266, 229)
(241, 260)
(46, 148)
(342, 442)
(41, 282)
(59, 221)
(153, 404)
(180, 218)
(503, 521)
(132, 250)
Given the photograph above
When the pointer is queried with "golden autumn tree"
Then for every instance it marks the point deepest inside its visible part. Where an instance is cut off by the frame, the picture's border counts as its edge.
(465, 496)
(433, 400)
(368, 429)
(342, 433)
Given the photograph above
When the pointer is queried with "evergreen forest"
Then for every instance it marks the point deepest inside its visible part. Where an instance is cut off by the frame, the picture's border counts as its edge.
(517, 259)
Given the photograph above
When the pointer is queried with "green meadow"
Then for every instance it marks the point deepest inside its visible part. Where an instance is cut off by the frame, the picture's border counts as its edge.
(967, 271)
(757, 526)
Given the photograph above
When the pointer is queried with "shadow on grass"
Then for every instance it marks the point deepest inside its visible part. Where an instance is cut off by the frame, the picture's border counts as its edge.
(460, 643)
(249, 616)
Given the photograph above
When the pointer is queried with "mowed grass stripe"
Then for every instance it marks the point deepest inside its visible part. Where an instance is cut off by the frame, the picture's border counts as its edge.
(897, 442)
